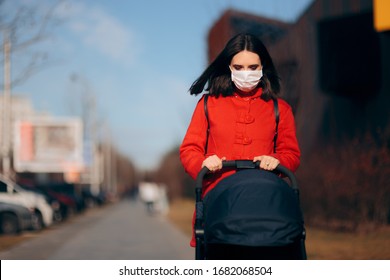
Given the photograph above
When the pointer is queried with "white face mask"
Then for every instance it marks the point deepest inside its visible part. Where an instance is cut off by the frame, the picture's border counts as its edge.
(246, 80)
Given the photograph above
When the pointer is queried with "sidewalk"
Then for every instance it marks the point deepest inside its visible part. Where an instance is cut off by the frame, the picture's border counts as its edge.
(123, 231)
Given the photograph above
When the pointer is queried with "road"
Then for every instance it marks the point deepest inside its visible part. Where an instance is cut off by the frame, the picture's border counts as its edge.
(120, 231)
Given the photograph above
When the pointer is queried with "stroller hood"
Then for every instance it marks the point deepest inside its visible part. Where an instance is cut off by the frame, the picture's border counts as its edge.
(252, 208)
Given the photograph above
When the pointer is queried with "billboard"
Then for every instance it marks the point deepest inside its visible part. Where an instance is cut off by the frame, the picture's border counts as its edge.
(48, 145)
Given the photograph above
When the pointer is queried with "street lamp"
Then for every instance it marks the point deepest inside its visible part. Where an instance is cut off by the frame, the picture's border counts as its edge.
(88, 115)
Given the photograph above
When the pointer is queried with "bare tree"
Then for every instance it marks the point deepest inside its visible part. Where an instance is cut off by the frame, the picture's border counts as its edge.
(26, 26)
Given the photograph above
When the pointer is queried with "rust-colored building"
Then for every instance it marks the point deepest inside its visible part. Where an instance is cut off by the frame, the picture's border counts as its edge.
(333, 65)
(335, 72)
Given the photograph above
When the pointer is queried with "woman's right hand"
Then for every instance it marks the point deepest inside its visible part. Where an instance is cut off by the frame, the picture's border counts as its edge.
(213, 163)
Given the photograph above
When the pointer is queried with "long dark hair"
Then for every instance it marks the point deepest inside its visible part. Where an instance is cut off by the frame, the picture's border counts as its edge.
(218, 76)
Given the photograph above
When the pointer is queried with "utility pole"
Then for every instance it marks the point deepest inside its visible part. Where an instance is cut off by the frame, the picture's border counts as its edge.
(110, 163)
(6, 125)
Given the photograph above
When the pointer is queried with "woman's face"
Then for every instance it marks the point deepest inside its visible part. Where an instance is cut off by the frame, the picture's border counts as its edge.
(246, 60)
(246, 71)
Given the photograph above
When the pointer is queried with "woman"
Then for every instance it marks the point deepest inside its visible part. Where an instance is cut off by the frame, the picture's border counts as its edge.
(241, 83)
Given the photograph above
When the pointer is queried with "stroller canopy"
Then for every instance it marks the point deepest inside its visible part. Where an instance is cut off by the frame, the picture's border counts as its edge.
(252, 208)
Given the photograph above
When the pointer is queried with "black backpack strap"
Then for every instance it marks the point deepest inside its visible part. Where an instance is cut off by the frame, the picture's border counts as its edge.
(206, 112)
(276, 109)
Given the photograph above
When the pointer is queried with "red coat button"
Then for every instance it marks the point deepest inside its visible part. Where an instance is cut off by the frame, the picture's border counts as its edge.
(249, 119)
(247, 140)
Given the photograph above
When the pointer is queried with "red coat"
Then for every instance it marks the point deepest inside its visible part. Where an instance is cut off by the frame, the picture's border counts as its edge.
(240, 128)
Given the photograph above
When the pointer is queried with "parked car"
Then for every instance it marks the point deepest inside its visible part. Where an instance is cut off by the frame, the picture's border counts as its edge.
(68, 205)
(15, 218)
(57, 203)
(92, 199)
(11, 192)
(66, 190)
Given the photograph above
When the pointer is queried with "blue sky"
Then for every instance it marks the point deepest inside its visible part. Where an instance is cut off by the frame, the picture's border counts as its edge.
(138, 58)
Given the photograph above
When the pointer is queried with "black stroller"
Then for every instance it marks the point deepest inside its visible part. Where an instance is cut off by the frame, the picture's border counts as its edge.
(252, 214)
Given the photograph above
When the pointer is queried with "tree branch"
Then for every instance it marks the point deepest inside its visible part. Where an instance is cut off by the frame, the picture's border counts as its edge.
(26, 28)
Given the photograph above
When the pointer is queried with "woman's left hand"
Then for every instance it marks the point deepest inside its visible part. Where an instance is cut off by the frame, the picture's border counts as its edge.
(267, 162)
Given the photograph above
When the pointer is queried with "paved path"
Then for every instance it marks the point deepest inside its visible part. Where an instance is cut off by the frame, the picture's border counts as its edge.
(122, 231)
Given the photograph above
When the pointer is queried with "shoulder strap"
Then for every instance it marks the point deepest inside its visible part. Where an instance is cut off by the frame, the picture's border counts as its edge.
(206, 112)
(276, 109)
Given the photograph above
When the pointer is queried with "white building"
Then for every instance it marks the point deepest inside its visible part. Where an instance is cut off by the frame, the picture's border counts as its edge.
(21, 108)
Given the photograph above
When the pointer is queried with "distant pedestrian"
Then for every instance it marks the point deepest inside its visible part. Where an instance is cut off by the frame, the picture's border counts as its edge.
(149, 194)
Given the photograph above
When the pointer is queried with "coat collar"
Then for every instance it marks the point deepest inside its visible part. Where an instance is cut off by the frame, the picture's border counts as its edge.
(251, 95)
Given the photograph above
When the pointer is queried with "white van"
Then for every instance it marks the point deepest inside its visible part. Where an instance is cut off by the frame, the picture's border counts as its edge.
(10, 192)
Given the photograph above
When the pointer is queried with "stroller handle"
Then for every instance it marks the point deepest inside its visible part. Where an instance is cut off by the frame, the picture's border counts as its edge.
(248, 164)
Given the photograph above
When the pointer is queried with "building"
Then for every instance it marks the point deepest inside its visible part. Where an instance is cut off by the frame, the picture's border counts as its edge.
(37, 141)
(334, 65)
(20, 108)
